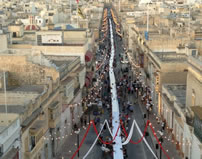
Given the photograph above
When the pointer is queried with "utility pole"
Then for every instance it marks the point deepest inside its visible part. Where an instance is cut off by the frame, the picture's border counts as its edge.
(77, 15)
(189, 19)
(119, 6)
(5, 95)
(147, 18)
(70, 4)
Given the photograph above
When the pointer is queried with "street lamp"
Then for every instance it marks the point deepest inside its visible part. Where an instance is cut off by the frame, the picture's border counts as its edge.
(77, 132)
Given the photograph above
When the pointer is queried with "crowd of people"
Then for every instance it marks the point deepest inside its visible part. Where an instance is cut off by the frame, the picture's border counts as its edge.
(126, 84)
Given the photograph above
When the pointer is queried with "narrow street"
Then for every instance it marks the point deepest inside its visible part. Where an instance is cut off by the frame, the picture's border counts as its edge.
(127, 102)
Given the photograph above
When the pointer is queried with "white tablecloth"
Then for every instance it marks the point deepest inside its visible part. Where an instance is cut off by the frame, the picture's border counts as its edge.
(117, 147)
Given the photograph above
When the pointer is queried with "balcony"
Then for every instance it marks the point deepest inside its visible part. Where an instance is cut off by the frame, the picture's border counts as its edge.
(36, 132)
(37, 129)
(39, 145)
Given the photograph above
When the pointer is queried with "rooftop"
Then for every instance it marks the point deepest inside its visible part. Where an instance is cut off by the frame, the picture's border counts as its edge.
(179, 91)
(28, 88)
(6, 120)
(13, 109)
(61, 61)
(170, 56)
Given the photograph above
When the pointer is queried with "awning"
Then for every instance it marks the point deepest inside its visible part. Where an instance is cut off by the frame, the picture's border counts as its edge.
(87, 82)
(88, 56)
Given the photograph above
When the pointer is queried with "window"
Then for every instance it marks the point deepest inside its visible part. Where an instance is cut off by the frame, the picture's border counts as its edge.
(186, 148)
(175, 131)
(14, 34)
(50, 14)
(1, 150)
(181, 140)
(46, 150)
(193, 100)
(168, 117)
(32, 142)
(193, 52)
(52, 115)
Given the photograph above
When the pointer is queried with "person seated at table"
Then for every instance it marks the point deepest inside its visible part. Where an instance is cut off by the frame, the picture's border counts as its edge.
(104, 148)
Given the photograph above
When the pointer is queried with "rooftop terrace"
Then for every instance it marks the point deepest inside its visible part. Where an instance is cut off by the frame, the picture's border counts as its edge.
(179, 92)
(170, 56)
(6, 120)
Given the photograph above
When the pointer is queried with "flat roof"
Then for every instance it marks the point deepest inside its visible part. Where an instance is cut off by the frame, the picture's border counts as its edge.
(170, 56)
(74, 29)
(61, 61)
(179, 91)
(16, 109)
(6, 120)
(28, 88)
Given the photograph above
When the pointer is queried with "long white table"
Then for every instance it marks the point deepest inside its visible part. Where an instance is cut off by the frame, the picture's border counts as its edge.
(117, 147)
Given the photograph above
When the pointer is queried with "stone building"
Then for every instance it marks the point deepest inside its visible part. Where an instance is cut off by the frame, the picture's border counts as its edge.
(10, 136)
(168, 58)
(173, 108)
(181, 106)
(158, 66)
(194, 102)
(37, 91)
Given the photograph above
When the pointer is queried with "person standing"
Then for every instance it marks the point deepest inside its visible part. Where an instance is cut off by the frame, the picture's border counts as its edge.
(163, 125)
(75, 127)
(81, 121)
(85, 120)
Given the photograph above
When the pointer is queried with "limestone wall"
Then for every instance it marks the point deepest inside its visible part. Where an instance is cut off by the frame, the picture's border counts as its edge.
(193, 86)
(20, 46)
(174, 66)
(164, 44)
(23, 72)
(64, 51)
(71, 35)
(17, 98)
(174, 77)
(4, 42)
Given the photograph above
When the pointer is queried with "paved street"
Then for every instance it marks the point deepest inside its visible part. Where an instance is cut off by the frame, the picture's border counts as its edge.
(134, 151)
